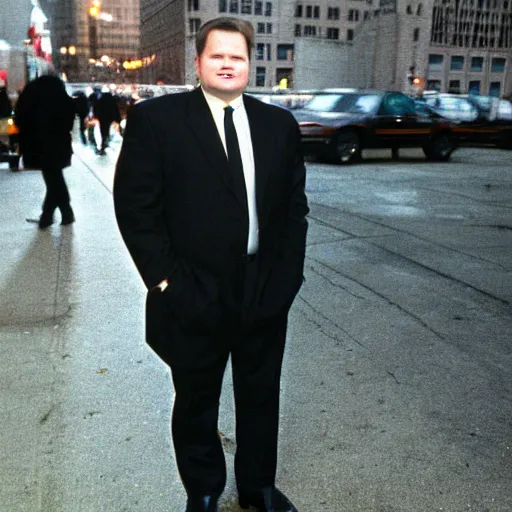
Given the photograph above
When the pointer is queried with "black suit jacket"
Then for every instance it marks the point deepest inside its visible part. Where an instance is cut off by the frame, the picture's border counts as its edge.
(181, 216)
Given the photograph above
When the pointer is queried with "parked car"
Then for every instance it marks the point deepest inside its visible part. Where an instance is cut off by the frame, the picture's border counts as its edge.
(287, 99)
(339, 124)
(479, 119)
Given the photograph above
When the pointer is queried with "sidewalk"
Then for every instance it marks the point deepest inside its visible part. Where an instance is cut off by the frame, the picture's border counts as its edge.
(397, 376)
(84, 405)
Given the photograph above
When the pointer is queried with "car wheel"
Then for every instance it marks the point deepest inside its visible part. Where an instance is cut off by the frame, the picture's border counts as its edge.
(440, 147)
(346, 147)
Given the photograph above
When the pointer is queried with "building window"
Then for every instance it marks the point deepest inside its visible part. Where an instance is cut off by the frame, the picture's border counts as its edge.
(333, 13)
(409, 9)
(457, 63)
(498, 65)
(260, 77)
(193, 25)
(419, 11)
(246, 6)
(495, 89)
(193, 5)
(477, 63)
(454, 87)
(223, 5)
(316, 12)
(269, 51)
(268, 8)
(416, 34)
(298, 30)
(298, 11)
(285, 52)
(434, 85)
(260, 28)
(233, 6)
(333, 33)
(309, 11)
(260, 48)
(474, 87)
(350, 34)
(269, 28)
(353, 15)
(435, 62)
(366, 15)
(309, 30)
(258, 7)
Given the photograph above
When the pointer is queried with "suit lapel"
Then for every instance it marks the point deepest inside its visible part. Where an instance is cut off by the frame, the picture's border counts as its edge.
(200, 121)
(262, 145)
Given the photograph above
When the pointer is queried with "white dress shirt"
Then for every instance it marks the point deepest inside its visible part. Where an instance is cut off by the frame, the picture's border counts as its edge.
(243, 133)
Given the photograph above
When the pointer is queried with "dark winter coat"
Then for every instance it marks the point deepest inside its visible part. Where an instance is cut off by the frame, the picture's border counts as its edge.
(105, 108)
(45, 115)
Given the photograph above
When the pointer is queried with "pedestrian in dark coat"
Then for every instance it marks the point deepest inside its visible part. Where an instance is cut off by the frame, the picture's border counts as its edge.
(106, 111)
(5, 103)
(45, 114)
(82, 111)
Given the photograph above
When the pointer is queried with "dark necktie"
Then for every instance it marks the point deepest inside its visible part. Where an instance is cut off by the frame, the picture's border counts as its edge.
(234, 156)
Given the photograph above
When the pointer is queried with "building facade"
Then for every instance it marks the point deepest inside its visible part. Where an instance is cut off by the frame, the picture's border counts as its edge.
(470, 47)
(97, 39)
(168, 30)
(457, 45)
(460, 46)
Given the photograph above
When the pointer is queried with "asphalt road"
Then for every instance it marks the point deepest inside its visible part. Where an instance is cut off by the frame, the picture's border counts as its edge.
(396, 389)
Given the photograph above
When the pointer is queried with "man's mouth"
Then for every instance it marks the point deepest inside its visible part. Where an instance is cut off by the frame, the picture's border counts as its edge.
(225, 75)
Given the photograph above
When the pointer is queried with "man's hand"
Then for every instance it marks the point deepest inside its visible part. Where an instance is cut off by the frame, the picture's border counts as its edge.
(162, 285)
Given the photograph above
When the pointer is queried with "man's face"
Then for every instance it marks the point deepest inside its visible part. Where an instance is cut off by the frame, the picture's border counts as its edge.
(223, 67)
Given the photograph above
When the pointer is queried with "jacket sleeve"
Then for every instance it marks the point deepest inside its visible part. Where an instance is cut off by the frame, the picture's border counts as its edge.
(294, 243)
(138, 199)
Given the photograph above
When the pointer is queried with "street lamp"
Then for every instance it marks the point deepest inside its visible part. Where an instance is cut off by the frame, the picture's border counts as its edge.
(68, 61)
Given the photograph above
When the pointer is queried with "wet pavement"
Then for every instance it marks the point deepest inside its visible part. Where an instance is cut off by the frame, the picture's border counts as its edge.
(396, 390)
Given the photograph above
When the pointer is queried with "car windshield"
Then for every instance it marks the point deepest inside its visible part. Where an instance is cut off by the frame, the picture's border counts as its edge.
(485, 102)
(348, 103)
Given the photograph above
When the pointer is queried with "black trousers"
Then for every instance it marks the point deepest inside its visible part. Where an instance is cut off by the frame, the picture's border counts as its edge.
(256, 360)
(83, 129)
(57, 194)
(105, 132)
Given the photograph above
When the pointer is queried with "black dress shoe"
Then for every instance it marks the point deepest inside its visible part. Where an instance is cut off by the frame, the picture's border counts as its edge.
(68, 219)
(202, 503)
(268, 499)
(45, 221)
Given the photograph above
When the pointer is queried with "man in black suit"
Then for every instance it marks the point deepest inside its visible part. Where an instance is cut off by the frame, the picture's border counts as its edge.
(209, 198)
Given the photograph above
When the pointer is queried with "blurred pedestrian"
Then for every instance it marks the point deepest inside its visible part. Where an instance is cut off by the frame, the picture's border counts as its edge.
(212, 209)
(82, 111)
(106, 111)
(5, 103)
(45, 115)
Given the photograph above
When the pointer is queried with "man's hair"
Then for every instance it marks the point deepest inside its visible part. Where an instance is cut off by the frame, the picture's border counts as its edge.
(229, 25)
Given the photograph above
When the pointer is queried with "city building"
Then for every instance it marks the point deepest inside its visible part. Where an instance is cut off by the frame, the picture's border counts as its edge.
(470, 47)
(168, 30)
(97, 39)
(414, 45)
